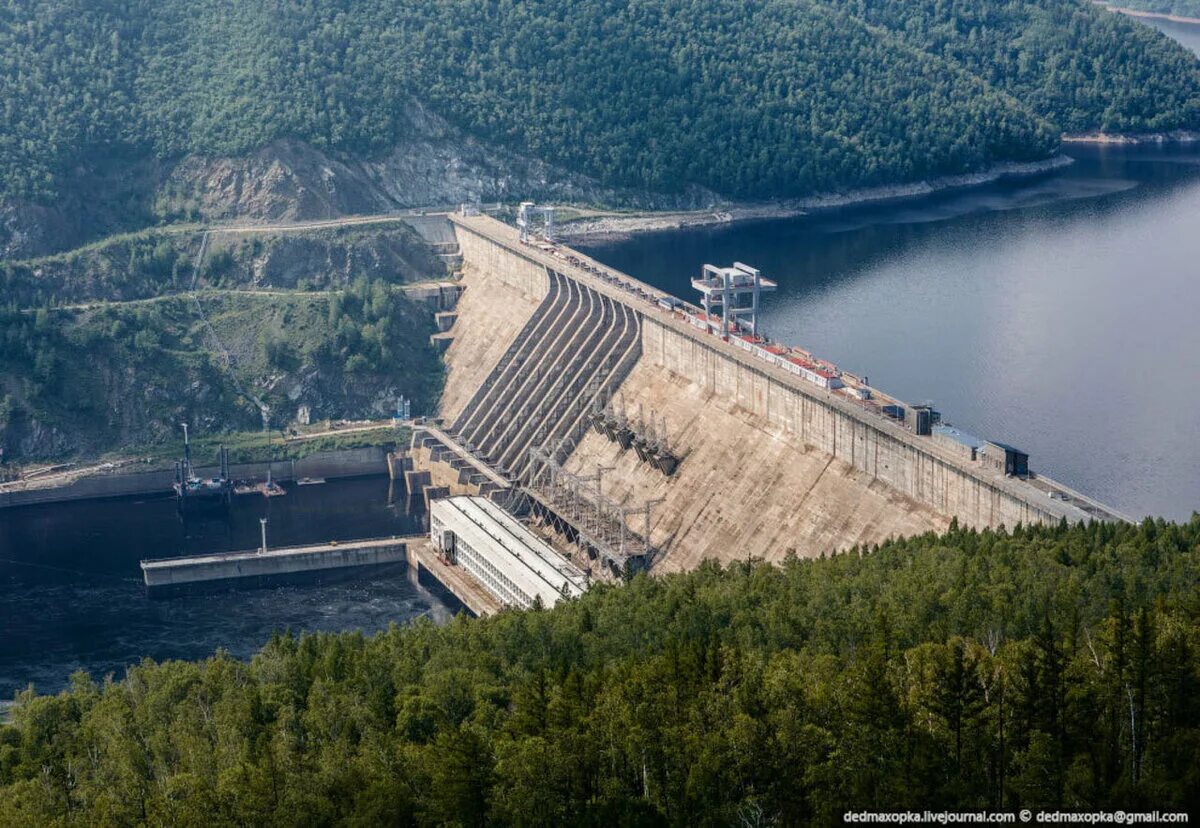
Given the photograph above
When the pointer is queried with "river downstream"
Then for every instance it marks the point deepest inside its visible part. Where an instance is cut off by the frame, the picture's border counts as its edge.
(71, 593)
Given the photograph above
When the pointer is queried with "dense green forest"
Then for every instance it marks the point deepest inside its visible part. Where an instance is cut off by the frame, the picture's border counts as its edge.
(1046, 668)
(1054, 59)
(769, 98)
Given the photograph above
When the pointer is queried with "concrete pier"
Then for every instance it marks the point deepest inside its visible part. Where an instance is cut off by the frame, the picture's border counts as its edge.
(431, 571)
(257, 568)
(253, 568)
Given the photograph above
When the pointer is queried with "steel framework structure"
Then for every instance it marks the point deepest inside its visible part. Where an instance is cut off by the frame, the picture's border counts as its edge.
(599, 521)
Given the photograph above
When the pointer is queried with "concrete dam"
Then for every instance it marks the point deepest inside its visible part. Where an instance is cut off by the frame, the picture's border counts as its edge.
(764, 456)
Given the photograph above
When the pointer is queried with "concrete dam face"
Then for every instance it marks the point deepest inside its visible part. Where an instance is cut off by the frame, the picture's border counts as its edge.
(764, 462)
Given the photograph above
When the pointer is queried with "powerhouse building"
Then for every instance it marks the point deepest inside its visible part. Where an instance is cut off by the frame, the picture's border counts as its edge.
(511, 562)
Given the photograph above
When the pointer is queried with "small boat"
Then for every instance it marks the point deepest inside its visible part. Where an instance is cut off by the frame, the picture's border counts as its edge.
(271, 489)
(310, 481)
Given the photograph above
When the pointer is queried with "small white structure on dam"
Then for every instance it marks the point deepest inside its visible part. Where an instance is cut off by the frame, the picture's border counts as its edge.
(510, 561)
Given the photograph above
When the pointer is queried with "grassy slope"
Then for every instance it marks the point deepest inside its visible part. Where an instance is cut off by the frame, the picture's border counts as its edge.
(307, 318)
(257, 446)
(159, 262)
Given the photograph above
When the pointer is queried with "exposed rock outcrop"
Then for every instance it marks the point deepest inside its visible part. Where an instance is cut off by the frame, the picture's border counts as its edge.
(290, 180)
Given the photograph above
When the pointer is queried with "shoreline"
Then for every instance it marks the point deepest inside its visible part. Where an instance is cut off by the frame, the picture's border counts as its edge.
(617, 226)
(1176, 136)
(1174, 18)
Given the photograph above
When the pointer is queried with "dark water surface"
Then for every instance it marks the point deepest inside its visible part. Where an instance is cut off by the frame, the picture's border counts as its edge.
(1060, 314)
(71, 593)
(1186, 33)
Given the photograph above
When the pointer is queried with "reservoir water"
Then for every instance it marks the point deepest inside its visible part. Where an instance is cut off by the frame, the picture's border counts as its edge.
(1058, 313)
(1186, 33)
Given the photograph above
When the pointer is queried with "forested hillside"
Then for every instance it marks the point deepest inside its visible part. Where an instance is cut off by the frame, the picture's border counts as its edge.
(1050, 668)
(78, 382)
(750, 100)
(1084, 70)
(113, 344)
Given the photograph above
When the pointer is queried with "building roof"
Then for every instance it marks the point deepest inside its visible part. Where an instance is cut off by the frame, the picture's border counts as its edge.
(958, 435)
(525, 559)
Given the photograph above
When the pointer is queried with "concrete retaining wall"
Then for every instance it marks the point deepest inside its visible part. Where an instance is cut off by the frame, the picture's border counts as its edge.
(439, 295)
(327, 464)
(433, 229)
(252, 567)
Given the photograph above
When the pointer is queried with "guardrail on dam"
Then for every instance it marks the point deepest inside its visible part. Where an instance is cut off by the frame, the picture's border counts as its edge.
(906, 463)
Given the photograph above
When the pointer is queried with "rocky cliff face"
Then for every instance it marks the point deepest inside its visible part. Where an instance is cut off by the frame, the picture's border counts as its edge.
(291, 180)
(435, 166)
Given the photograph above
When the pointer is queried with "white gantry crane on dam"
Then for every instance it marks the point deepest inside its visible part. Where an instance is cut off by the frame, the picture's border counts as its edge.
(728, 288)
(528, 213)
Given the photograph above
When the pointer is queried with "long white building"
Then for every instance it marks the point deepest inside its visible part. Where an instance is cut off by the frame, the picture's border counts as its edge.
(510, 561)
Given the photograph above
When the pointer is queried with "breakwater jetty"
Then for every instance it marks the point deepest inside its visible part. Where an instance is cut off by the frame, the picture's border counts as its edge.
(264, 567)
(256, 568)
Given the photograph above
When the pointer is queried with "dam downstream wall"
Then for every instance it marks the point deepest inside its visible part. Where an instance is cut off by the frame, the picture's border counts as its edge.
(484, 255)
(771, 463)
(499, 294)
(862, 441)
